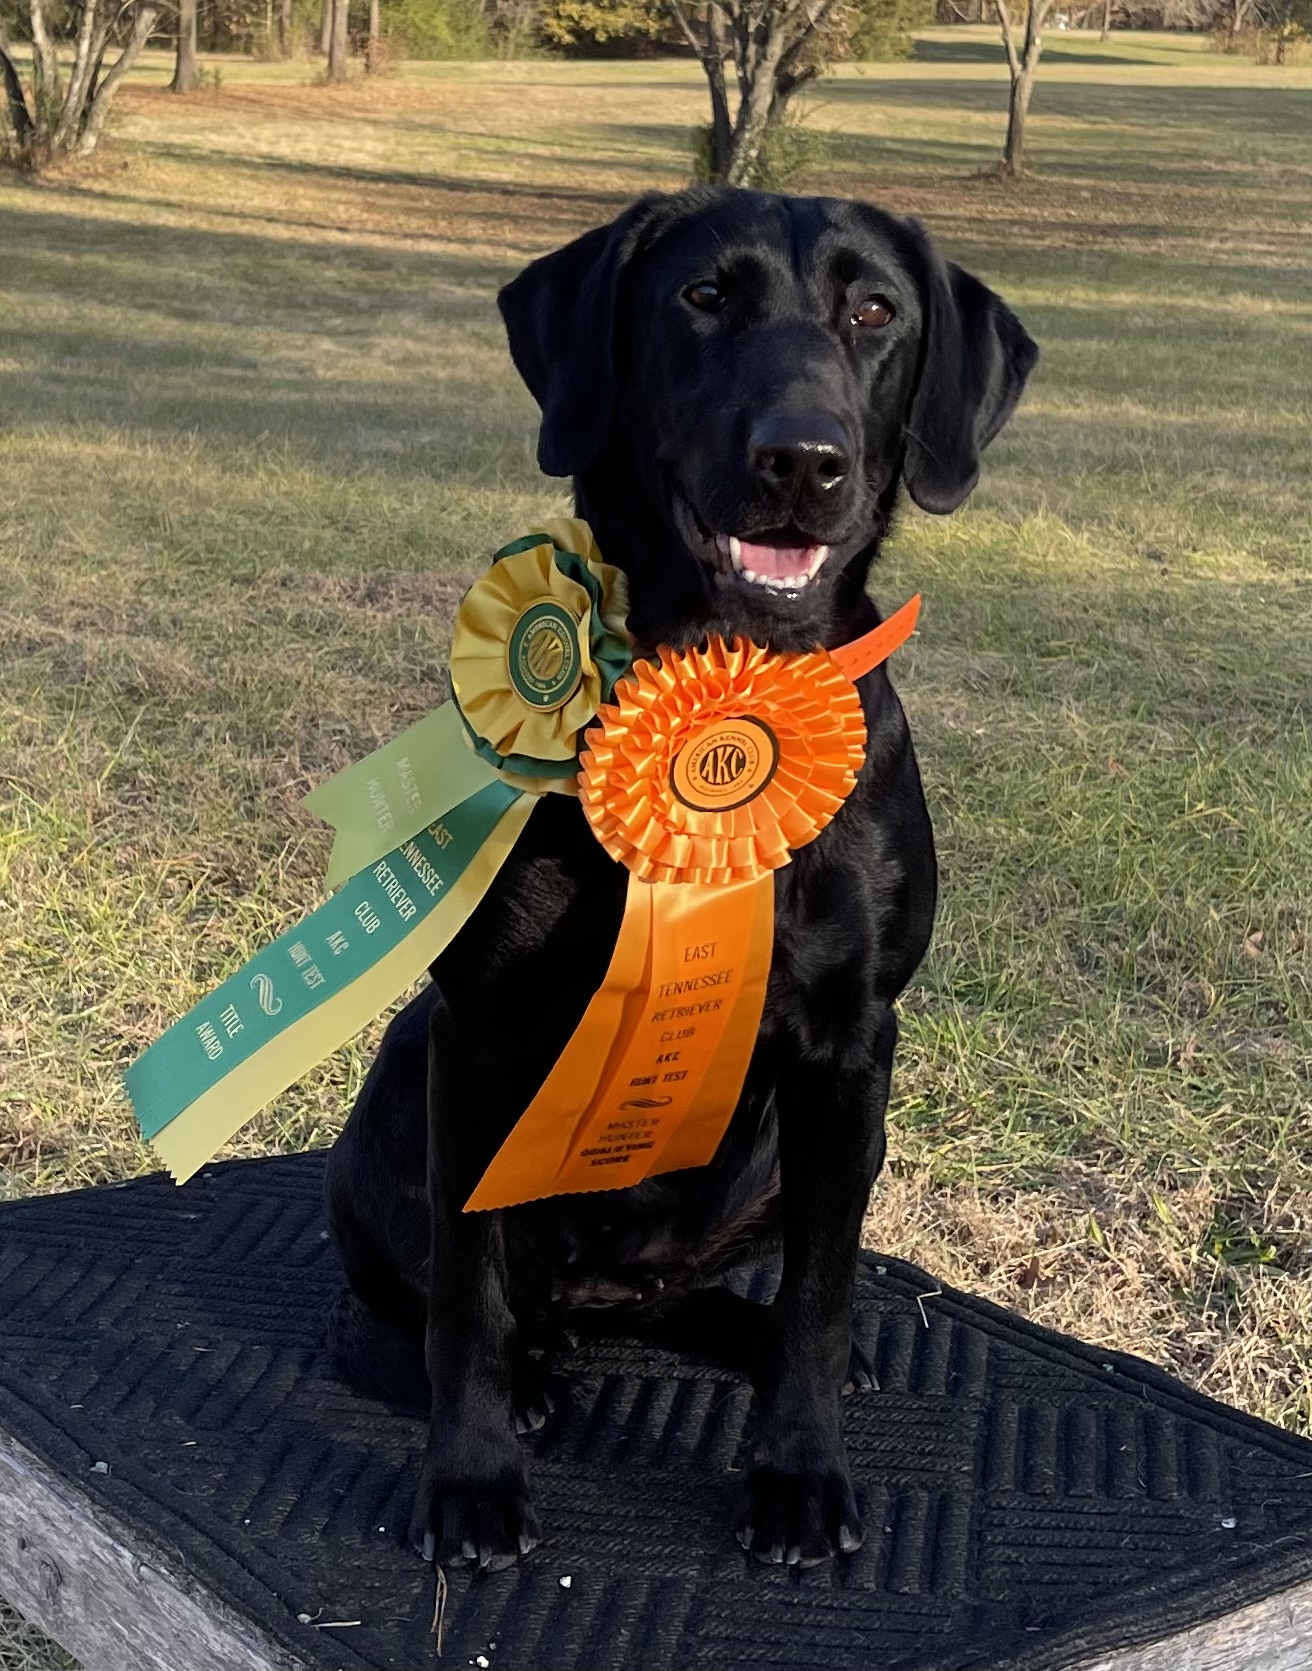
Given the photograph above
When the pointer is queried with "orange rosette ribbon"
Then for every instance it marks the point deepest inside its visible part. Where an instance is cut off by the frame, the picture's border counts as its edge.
(711, 766)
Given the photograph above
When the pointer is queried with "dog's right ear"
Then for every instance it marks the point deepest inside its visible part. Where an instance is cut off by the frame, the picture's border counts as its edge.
(560, 319)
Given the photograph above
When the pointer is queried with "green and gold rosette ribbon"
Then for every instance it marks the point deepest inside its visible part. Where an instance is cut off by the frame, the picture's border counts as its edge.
(422, 827)
(538, 648)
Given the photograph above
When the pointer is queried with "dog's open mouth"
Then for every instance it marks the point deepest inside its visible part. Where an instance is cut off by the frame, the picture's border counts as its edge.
(785, 567)
(781, 559)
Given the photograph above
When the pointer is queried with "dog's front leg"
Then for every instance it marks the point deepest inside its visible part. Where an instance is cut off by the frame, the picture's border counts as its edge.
(473, 1502)
(800, 1503)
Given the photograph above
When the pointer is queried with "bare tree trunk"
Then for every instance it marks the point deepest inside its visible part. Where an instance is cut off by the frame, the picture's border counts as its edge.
(325, 26)
(754, 106)
(69, 116)
(1013, 150)
(93, 84)
(713, 64)
(186, 77)
(45, 59)
(74, 106)
(94, 121)
(373, 49)
(1106, 20)
(1283, 29)
(284, 28)
(711, 55)
(1023, 64)
(338, 41)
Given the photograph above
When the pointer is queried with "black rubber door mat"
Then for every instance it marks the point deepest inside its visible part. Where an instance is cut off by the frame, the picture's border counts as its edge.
(1028, 1500)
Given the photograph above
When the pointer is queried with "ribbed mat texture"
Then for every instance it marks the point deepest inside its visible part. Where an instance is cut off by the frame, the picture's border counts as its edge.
(1028, 1499)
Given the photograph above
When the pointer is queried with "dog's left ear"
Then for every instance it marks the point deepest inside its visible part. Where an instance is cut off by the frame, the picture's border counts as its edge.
(975, 359)
(560, 320)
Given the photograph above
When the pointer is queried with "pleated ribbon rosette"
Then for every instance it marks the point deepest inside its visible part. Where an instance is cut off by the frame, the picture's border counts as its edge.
(537, 648)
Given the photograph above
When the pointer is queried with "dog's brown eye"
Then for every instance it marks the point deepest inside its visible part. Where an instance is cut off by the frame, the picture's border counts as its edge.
(873, 311)
(705, 295)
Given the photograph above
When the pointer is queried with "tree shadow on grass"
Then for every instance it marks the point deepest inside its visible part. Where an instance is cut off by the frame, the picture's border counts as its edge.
(429, 208)
(1277, 112)
(602, 202)
(357, 357)
(991, 52)
(1105, 158)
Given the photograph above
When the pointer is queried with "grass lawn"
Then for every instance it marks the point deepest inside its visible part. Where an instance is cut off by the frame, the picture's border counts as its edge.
(258, 428)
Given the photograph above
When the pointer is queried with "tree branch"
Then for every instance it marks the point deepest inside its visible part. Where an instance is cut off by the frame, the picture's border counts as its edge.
(70, 117)
(142, 24)
(93, 85)
(1038, 16)
(46, 58)
(788, 62)
(1004, 18)
(680, 17)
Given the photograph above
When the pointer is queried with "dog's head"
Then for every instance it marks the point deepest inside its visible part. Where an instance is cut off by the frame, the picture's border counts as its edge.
(738, 382)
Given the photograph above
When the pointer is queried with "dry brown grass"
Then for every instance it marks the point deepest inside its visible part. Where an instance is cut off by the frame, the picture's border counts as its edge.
(1127, 1266)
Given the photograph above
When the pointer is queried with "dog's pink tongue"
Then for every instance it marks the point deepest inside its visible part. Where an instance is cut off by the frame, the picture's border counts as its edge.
(776, 562)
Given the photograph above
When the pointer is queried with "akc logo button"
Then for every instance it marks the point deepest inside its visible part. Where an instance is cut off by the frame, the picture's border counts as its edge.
(542, 658)
(726, 765)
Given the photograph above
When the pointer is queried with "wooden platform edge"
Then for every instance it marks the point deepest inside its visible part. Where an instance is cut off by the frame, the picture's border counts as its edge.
(69, 1567)
(1270, 1635)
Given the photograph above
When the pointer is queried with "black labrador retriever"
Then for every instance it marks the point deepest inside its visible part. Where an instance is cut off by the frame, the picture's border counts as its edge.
(738, 384)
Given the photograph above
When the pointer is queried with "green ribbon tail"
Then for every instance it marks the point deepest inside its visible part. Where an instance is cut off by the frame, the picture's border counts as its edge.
(316, 985)
(398, 790)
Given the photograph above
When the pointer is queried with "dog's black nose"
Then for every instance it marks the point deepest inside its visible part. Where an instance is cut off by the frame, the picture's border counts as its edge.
(801, 453)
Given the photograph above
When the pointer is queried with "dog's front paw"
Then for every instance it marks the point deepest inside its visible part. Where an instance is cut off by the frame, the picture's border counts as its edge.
(800, 1518)
(488, 1523)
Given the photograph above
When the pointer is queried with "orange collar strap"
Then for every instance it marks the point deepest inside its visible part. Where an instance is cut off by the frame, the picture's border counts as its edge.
(859, 657)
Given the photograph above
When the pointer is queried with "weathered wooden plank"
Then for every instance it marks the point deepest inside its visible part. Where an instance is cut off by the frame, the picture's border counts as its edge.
(70, 1567)
(1271, 1635)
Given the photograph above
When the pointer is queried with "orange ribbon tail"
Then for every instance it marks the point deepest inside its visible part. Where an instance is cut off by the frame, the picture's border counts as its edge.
(650, 1078)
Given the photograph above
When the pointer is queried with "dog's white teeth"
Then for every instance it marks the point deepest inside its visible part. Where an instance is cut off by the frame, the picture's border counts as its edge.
(731, 547)
(776, 582)
(821, 552)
